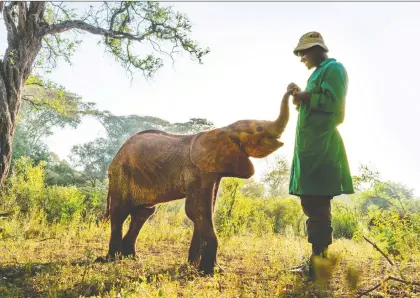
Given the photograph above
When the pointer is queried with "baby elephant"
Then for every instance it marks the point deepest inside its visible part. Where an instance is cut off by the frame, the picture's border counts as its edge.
(154, 167)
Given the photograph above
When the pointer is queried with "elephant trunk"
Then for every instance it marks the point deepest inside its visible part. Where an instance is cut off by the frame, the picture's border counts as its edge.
(280, 123)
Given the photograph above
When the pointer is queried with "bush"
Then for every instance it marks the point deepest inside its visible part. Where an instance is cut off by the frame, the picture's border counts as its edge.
(26, 192)
(345, 220)
(286, 213)
(25, 187)
(62, 202)
(236, 214)
(397, 234)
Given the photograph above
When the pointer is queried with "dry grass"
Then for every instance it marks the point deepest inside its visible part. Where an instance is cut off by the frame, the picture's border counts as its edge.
(61, 265)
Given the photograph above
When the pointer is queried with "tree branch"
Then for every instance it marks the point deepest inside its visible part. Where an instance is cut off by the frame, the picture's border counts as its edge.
(36, 105)
(37, 8)
(385, 280)
(81, 25)
(120, 11)
(10, 24)
(62, 9)
(23, 10)
(378, 249)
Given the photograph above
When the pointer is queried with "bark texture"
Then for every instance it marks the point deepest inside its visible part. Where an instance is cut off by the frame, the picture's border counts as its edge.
(24, 43)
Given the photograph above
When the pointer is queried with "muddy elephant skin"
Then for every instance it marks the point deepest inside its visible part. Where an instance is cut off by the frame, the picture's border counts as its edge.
(155, 167)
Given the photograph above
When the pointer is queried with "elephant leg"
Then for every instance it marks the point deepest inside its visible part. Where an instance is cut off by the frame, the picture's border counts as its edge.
(138, 217)
(199, 208)
(194, 252)
(209, 245)
(215, 190)
(118, 216)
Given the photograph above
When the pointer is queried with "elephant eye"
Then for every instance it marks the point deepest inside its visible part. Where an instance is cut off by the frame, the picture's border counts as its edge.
(260, 128)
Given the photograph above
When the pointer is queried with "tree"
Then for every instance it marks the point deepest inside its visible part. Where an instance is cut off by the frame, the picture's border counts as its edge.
(45, 105)
(276, 177)
(194, 125)
(59, 172)
(253, 189)
(385, 194)
(36, 38)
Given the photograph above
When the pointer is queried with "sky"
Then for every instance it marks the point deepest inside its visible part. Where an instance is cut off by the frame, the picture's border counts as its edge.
(250, 65)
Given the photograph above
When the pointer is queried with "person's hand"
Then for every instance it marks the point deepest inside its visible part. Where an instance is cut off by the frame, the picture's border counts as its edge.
(300, 97)
(297, 99)
(292, 87)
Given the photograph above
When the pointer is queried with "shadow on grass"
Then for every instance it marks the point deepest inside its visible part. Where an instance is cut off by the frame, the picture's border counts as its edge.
(17, 280)
(50, 279)
(87, 278)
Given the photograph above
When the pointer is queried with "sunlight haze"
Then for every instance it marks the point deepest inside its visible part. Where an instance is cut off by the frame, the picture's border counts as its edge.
(250, 65)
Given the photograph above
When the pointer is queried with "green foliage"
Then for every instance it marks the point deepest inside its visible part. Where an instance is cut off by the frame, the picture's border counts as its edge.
(194, 125)
(397, 234)
(60, 172)
(386, 194)
(61, 203)
(25, 187)
(251, 188)
(49, 104)
(287, 215)
(93, 158)
(236, 214)
(345, 220)
(24, 144)
(147, 21)
(26, 192)
(124, 26)
(276, 177)
(45, 106)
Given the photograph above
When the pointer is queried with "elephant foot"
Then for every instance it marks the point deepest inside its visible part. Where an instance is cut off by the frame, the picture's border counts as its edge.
(129, 252)
(102, 259)
(131, 256)
(111, 256)
(206, 271)
(211, 270)
(108, 258)
(206, 268)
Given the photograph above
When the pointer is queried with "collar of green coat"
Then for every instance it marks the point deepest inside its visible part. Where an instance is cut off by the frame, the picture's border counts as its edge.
(328, 60)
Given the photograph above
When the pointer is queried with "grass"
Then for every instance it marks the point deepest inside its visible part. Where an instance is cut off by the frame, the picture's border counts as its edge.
(59, 262)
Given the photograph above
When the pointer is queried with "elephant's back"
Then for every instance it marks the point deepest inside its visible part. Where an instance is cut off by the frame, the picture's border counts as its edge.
(148, 165)
(151, 147)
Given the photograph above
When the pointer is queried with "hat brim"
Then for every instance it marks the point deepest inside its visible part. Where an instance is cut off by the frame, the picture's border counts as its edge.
(308, 46)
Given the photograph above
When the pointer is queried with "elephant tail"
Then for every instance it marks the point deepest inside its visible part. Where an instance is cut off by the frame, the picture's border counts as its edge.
(108, 202)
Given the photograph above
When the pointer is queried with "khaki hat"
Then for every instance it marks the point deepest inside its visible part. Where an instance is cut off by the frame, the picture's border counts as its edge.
(309, 40)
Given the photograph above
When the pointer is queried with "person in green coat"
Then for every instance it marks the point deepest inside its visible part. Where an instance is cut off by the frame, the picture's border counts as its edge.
(320, 168)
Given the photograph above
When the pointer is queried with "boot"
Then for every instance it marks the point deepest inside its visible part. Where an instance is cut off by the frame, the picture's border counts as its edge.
(317, 251)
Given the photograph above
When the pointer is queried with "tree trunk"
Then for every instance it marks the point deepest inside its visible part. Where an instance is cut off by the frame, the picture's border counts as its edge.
(24, 43)
(7, 129)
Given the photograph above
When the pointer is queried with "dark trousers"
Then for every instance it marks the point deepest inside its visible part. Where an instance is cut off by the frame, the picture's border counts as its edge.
(318, 224)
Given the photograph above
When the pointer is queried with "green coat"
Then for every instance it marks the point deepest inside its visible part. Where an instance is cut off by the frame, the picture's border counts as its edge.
(320, 165)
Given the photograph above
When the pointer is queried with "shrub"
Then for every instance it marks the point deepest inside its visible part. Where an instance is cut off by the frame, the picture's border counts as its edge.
(236, 214)
(398, 234)
(345, 220)
(286, 213)
(25, 187)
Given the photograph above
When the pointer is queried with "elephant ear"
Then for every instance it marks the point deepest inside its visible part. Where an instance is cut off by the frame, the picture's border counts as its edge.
(216, 151)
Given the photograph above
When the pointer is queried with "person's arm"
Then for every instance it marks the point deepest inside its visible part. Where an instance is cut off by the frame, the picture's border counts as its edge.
(330, 96)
